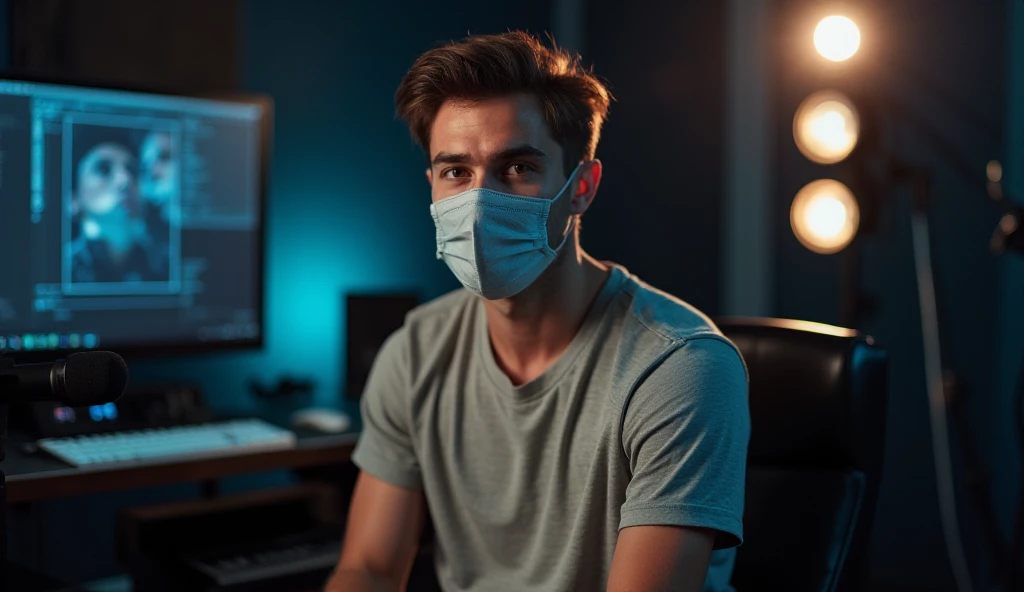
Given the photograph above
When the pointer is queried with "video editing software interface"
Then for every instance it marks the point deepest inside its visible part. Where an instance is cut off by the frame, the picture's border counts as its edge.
(127, 219)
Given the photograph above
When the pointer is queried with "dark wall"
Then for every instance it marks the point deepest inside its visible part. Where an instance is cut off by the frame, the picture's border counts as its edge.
(942, 66)
(658, 211)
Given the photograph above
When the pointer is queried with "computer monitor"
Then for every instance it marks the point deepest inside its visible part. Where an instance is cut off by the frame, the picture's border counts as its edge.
(129, 221)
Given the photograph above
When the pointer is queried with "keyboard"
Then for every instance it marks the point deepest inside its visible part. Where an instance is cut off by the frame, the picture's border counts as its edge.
(169, 444)
(288, 558)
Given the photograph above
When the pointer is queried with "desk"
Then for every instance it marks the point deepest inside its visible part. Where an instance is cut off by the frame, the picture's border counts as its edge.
(39, 476)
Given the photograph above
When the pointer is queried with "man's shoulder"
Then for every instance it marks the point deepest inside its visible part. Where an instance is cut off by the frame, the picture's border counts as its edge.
(666, 316)
(440, 309)
(652, 327)
(430, 323)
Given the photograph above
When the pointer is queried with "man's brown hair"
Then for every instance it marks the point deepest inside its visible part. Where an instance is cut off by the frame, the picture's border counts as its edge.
(574, 101)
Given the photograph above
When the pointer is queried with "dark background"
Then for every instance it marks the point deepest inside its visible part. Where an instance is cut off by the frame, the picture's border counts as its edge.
(348, 200)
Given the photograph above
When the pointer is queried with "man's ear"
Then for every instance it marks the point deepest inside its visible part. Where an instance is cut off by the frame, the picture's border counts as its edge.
(430, 177)
(586, 187)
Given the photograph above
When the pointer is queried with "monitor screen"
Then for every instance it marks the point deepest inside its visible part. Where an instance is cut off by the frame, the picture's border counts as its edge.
(129, 221)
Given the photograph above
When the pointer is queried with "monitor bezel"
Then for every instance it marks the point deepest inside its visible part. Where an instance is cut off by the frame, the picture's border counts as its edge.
(182, 347)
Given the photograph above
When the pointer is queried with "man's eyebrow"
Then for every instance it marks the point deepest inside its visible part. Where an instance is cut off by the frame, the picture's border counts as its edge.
(520, 151)
(450, 158)
(506, 154)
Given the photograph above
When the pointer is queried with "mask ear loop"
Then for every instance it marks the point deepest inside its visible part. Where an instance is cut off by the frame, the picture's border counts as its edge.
(572, 217)
(568, 233)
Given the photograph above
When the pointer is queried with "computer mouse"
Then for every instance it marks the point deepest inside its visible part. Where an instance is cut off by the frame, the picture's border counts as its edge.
(326, 421)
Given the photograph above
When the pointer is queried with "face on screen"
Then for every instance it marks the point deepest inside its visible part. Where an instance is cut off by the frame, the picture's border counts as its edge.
(158, 170)
(106, 178)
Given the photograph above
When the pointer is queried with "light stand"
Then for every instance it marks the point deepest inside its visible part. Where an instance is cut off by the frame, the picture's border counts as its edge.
(919, 180)
(942, 384)
(876, 169)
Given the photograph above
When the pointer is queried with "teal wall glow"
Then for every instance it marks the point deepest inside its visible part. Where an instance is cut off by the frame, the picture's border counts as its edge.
(348, 202)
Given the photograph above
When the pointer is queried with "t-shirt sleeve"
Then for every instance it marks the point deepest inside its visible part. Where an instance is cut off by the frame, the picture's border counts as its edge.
(385, 448)
(685, 432)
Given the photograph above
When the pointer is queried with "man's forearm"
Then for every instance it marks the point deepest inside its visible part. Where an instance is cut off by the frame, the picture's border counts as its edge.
(356, 580)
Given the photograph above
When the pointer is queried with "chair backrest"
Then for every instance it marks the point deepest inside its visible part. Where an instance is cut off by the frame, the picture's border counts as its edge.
(817, 407)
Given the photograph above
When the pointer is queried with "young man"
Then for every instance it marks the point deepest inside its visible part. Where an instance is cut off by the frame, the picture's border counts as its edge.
(567, 426)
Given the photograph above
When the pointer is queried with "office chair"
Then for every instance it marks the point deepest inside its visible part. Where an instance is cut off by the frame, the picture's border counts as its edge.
(817, 406)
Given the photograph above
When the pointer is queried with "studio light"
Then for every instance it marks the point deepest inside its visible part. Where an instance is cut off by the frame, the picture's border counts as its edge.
(825, 216)
(836, 38)
(826, 127)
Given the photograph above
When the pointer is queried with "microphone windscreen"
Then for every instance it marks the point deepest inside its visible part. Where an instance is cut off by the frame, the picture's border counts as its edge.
(94, 378)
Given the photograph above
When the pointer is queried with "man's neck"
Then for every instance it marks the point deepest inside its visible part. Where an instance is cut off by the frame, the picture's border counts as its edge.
(532, 329)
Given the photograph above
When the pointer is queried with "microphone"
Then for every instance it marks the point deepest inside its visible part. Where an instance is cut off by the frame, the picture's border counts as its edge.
(83, 379)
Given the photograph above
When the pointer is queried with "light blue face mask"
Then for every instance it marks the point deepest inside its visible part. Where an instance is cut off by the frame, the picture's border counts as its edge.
(496, 243)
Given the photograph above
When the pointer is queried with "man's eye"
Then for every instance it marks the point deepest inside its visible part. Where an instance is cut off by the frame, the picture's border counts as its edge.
(455, 173)
(518, 169)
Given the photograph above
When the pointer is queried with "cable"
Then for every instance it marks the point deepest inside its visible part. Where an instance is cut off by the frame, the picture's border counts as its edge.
(937, 402)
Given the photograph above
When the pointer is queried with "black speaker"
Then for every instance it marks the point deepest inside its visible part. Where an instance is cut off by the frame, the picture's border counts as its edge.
(371, 319)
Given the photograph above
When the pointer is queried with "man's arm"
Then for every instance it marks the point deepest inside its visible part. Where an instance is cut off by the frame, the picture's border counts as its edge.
(685, 432)
(661, 558)
(384, 527)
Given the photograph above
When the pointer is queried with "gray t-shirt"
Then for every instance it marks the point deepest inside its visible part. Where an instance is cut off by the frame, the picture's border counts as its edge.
(643, 420)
